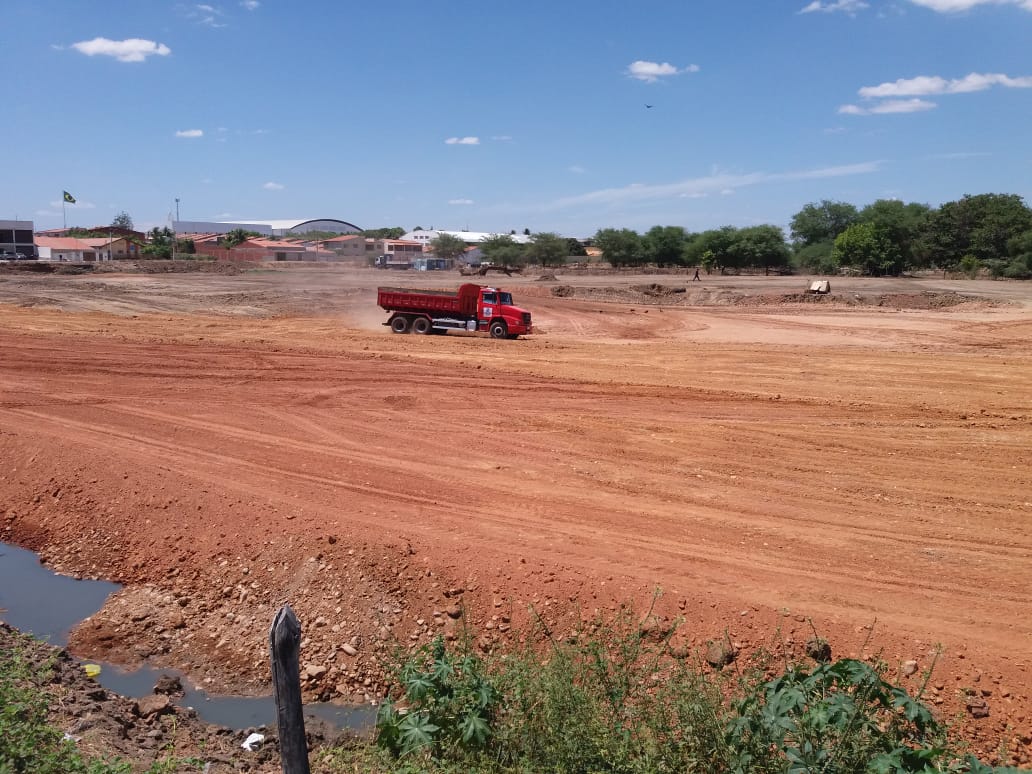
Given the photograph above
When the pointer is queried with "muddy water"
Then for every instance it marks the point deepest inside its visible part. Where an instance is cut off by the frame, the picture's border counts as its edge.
(41, 603)
(47, 605)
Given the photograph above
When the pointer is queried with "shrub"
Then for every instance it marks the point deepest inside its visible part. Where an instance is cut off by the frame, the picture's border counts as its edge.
(449, 705)
(620, 702)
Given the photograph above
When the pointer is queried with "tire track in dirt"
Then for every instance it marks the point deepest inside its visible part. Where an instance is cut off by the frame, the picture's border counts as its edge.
(186, 458)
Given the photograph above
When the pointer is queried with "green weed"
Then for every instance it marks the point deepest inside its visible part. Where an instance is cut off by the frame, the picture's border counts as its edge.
(28, 744)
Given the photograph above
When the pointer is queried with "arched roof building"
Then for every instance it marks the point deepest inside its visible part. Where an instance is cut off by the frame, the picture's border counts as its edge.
(272, 227)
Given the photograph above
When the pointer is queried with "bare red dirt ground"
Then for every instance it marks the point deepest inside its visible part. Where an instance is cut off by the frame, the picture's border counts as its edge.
(225, 444)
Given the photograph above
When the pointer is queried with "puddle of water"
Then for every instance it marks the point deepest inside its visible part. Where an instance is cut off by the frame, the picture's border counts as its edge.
(35, 600)
(238, 712)
(42, 603)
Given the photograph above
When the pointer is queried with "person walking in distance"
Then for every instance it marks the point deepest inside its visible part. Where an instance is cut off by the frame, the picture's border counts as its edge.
(696, 278)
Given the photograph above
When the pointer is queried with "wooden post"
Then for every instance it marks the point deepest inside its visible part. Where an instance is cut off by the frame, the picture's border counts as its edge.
(284, 644)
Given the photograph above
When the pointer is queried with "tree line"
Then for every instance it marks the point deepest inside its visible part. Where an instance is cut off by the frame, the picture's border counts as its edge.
(984, 232)
(990, 232)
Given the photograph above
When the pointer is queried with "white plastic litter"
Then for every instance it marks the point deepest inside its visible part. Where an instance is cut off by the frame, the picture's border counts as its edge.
(253, 741)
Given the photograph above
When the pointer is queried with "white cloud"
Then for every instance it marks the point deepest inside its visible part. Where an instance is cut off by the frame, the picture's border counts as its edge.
(924, 85)
(206, 14)
(576, 169)
(460, 201)
(959, 155)
(903, 106)
(958, 6)
(462, 141)
(190, 133)
(650, 72)
(717, 182)
(889, 106)
(844, 6)
(130, 50)
(270, 186)
(502, 138)
(250, 5)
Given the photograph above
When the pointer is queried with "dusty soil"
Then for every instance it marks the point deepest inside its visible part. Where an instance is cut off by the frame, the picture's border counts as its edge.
(223, 443)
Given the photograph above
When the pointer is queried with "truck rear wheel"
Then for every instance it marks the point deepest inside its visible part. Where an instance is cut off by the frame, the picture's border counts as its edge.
(421, 325)
(399, 324)
(499, 330)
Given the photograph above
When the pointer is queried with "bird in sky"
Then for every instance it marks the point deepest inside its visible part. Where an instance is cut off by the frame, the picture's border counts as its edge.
(649, 106)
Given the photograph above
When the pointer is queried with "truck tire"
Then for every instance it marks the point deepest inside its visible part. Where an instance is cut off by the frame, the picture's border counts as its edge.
(421, 325)
(399, 324)
(499, 330)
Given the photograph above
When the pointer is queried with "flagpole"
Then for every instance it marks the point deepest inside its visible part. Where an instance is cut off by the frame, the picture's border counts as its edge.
(64, 213)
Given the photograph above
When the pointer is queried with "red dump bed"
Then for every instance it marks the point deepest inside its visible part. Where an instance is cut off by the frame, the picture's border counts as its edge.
(434, 302)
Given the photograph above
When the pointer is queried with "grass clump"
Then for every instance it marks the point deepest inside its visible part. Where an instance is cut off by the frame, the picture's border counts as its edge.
(28, 743)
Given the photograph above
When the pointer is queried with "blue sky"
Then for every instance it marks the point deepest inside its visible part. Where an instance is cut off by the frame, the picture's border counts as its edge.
(495, 116)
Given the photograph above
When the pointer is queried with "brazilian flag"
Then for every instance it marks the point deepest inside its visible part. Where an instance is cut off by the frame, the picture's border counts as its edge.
(69, 198)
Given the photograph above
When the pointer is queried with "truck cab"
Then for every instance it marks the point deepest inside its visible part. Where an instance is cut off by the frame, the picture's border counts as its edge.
(497, 314)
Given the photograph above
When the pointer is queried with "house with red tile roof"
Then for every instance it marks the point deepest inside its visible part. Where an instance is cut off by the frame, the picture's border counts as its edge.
(64, 249)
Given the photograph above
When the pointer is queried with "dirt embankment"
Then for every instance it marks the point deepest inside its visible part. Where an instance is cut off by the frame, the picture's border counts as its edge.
(771, 466)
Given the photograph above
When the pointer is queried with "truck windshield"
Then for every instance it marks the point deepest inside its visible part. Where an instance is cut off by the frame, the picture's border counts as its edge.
(505, 298)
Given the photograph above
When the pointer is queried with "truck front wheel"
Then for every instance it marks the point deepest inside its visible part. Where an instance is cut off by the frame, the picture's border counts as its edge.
(421, 325)
(399, 324)
(499, 330)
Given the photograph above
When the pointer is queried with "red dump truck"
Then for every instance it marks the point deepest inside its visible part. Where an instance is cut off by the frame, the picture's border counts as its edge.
(470, 308)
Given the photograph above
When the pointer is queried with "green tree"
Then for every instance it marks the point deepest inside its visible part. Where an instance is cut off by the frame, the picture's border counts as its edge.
(621, 247)
(714, 249)
(762, 247)
(122, 220)
(1019, 250)
(548, 249)
(448, 247)
(159, 243)
(664, 245)
(393, 232)
(502, 250)
(236, 236)
(863, 246)
(980, 226)
(822, 222)
(817, 258)
(902, 224)
(575, 248)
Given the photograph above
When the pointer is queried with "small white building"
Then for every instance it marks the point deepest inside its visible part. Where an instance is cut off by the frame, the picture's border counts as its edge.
(65, 249)
(425, 236)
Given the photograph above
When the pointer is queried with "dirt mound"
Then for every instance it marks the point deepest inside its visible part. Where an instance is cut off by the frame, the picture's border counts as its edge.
(925, 300)
(658, 294)
(184, 266)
